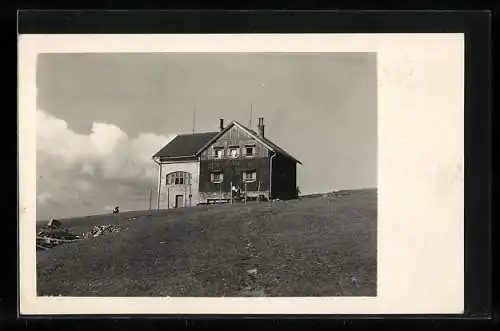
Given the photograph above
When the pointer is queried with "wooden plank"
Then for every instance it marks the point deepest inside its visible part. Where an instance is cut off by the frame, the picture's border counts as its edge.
(56, 240)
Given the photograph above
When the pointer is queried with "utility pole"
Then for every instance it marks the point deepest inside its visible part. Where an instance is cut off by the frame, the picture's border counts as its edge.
(159, 186)
(152, 184)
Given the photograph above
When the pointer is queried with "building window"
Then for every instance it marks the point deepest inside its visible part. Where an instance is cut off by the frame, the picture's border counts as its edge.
(217, 177)
(249, 150)
(249, 176)
(234, 152)
(218, 152)
(178, 178)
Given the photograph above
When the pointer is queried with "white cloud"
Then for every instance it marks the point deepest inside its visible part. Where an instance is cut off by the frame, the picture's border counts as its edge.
(74, 168)
(107, 147)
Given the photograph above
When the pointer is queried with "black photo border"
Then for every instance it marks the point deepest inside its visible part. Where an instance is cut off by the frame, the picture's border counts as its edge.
(478, 100)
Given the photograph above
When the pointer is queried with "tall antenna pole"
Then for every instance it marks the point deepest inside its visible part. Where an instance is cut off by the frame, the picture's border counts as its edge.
(159, 186)
(250, 122)
(194, 119)
(153, 181)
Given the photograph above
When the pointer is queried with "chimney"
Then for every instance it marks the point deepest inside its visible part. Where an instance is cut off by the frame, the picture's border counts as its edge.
(260, 127)
(221, 121)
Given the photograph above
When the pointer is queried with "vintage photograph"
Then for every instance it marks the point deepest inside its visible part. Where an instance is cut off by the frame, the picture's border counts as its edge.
(282, 174)
(206, 174)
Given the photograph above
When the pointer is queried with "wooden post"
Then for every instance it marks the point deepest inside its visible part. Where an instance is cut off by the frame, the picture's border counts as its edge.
(190, 183)
(258, 191)
(220, 192)
(231, 189)
(245, 192)
(168, 197)
(159, 186)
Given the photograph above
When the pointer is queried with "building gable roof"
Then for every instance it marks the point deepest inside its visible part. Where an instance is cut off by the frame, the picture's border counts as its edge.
(266, 142)
(185, 145)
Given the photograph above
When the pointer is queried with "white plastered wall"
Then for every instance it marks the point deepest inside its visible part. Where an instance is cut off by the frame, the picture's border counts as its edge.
(168, 192)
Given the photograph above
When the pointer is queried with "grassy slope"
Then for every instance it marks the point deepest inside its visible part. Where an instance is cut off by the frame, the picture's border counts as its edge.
(309, 247)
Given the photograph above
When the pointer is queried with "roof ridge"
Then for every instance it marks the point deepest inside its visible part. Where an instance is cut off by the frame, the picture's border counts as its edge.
(194, 133)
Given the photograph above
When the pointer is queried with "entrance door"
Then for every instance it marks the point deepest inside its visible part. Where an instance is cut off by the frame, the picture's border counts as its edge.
(179, 201)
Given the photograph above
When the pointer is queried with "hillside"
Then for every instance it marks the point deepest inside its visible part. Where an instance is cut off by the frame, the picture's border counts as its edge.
(322, 245)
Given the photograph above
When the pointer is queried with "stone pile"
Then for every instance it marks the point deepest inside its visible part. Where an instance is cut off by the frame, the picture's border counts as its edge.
(52, 236)
(99, 230)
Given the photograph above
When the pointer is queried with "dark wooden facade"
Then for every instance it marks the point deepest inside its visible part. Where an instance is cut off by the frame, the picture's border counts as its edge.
(233, 173)
(284, 177)
(275, 173)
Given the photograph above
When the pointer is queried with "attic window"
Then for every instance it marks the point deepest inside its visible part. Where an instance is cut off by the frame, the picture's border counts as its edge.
(217, 177)
(249, 176)
(234, 151)
(218, 152)
(249, 150)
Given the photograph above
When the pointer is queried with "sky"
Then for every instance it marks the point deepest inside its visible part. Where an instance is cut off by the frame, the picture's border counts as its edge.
(100, 118)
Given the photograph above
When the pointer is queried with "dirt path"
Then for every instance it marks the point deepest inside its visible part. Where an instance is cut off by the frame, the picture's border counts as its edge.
(253, 284)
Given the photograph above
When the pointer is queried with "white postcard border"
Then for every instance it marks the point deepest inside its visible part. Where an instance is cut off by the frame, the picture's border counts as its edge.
(420, 172)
